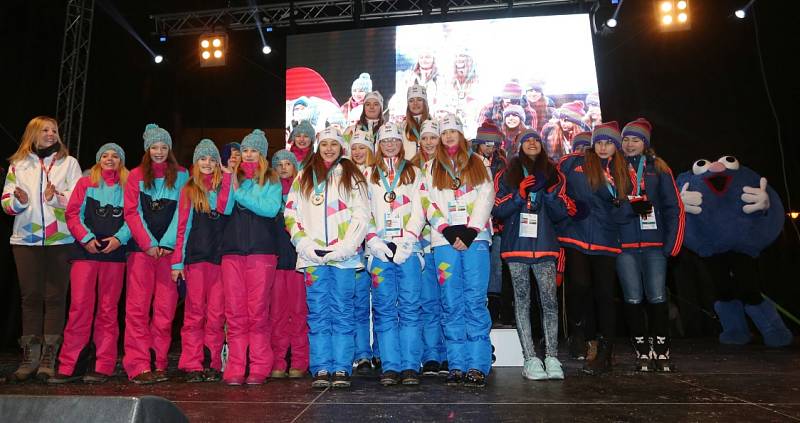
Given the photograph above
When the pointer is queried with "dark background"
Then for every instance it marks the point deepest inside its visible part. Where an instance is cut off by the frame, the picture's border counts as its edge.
(702, 89)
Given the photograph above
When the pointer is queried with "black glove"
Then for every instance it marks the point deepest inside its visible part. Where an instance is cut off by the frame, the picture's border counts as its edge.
(467, 235)
(581, 210)
(540, 183)
(392, 246)
(321, 253)
(641, 207)
(451, 233)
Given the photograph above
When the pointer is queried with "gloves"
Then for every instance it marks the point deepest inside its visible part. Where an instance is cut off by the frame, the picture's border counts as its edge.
(641, 206)
(467, 235)
(757, 198)
(340, 252)
(306, 249)
(450, 233)
(405, 248)
(540, 183)
(525, 185)
(379, 249)
(692, 200)
(579, 210)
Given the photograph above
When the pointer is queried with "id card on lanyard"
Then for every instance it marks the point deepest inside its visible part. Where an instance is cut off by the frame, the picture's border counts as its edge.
(648, 221)
(457, 212)
(393, 225)
(528, 225)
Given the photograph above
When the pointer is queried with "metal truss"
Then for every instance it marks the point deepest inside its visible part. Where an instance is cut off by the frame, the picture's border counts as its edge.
(306, 13)
(74, 71)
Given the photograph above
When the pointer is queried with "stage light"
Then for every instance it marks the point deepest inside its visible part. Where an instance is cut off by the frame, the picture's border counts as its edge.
(794, 214)
(673, 15)
(740, 14)
(158, 58)
(162, 38)
(666, 6)
(611, 23)
(682, 5)
(666, 19)
(682, 17)
(266, 49)
(213, 48)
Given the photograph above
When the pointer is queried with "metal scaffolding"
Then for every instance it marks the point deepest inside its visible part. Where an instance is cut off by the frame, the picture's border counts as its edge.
(74, 71)
(306, 13)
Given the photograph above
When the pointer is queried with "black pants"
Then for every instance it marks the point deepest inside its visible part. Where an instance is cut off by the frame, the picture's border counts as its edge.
(695, 295)
(590, 285)
(43, 274)
(735, 277)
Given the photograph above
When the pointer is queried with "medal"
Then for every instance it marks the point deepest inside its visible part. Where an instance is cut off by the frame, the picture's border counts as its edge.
(456, 183)
(317, 199)
(155, 205)
(389, 196)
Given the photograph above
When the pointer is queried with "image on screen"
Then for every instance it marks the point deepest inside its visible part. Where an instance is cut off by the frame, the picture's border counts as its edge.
(530, 72)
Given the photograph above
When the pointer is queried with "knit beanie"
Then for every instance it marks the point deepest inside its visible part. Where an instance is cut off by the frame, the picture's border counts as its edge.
(257, 141)
(417, 91)
(608, 131)
(451, 121)
(388, 131)
(638, 128)
(206, 147)
(284, 155)
(572, 112)
(512, 90)
(488, 133)
(528, 134)
(304, 127)
(330, 133)
(153, 134)
(227, 150)
(110, 146)
(363, 138)
(515, 110)
(429, 126)
(362, 83)
(583, 139)
(375, 95)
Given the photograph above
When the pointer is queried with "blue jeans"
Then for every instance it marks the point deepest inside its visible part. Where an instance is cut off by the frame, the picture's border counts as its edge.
(643, 273)
(397, 312)
(496, 275)
(331, 326)
(463, 280)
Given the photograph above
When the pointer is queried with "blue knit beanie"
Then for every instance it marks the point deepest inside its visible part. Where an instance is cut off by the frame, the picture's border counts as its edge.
(257, 141)
(227, 150)
(284, 155)
(110, 146)
(304, 127)
(206, 147)
(153, 134)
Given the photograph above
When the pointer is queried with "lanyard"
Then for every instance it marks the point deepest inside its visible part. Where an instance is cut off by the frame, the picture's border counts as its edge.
(318, 188)
(639, 178)
(396, 177)
(610, 183)
(49, 168)
(456, 179)
(531, 195)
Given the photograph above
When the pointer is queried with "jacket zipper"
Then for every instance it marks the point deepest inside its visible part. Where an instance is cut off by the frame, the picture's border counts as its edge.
(41, 200)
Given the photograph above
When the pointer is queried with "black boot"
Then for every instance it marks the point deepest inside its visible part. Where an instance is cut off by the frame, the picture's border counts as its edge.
(602, 362)
(642, 349)
(494, 309)
(661, 353)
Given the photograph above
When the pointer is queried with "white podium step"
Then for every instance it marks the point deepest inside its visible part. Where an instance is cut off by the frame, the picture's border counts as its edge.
(507, 348)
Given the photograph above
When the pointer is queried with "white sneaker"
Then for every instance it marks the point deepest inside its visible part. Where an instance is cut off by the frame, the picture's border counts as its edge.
(534, 369)
(553, 368)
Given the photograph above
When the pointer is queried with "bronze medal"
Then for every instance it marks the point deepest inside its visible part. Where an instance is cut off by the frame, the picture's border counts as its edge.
(389, 196)
(317, 199)
(456, 183)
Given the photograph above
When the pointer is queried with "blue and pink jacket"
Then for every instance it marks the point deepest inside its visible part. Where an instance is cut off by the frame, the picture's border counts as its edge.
(150, 212)
(253, 226)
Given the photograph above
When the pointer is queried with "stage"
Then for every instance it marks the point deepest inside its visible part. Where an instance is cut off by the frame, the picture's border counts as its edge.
(714, 383)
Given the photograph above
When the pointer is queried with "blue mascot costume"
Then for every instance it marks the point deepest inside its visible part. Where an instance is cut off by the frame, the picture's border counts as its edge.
(731, 216)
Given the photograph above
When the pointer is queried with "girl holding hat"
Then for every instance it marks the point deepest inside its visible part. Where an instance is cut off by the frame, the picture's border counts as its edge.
(327, 214)
(417, 111)
(151, 198)
(648, 239)
(367, 355)
(434, 357)
(371, 118)
(396, 264)
(37, 187)
(203, 204)
(249, 257)
(526, 191)
(513, 125)
(288, 309)
(94, 217)
(301, 141)
(461, 199)
(595, 199)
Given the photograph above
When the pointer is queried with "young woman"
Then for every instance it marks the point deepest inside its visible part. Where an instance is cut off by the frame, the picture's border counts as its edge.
(151, 198)
(37, 188)
(371, 118)
(231, 155)
(655, 233)
(249, 257)
(202, 207)
(434, 357)
(513, 125)
(595, 196)
(367, 355)
(461, 199)
(94, 217)
(525, 192)
(288, 311)
(327, 215)
(537, 105)
(358, 91)
(301, 141)
(558, 135)
(581, 142)
(417, 111)
(396, 263)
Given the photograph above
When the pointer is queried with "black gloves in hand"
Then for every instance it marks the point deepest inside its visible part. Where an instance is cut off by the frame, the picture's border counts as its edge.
(451, 233)
(467, 235)
(392, 246)
(641, 207)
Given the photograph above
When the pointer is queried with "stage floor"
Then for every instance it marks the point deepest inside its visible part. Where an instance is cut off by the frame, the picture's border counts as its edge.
(714, 383)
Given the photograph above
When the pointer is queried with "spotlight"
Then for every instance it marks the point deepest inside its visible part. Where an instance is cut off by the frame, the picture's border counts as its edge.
(666, 19)
(682, 17)
(213, 48)
(158, 58)
(740, 14)
(794, 214)
(611, 23)
(666, 6)
(266, 49)
(673, 15)
(162, 38)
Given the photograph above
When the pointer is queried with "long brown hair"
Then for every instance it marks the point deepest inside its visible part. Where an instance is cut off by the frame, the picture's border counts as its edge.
(96, 174)
(412, 123)
(541, 165)
(170, 175)
(661, 165)
(471, 169)
(316, 165)
(406, 176)
(32, 130)
(593, 170)
(264, 172)
(197, 191)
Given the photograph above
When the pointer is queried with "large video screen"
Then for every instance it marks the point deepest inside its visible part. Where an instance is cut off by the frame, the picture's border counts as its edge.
(542, 67)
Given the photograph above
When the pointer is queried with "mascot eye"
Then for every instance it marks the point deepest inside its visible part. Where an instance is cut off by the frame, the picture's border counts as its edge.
(730, 162)
(700, 167)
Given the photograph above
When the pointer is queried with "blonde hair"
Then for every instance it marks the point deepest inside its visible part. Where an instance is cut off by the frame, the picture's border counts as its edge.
(30, 135)
(263, 174)
(96, 174)
(197, 191)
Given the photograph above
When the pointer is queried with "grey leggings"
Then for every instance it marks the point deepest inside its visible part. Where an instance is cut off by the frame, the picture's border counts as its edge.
(545, 274)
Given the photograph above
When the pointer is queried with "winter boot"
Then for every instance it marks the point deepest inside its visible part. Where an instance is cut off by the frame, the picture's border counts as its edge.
(602, 362)
(47, 365)
(494, 309)
(734, 325)
(661, 354)
(31, 354)
(642, 349)
(770, 324)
